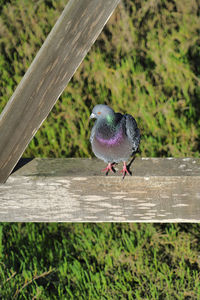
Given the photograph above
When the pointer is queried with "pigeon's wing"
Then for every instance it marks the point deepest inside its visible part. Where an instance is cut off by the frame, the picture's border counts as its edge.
(132, 131)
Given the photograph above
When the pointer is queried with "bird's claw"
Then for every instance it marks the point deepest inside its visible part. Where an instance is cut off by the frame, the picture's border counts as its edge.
(125, 171)
(109, 168)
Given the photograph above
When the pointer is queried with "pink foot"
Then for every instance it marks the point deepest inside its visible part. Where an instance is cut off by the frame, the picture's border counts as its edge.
(125, 170)
(109, 168)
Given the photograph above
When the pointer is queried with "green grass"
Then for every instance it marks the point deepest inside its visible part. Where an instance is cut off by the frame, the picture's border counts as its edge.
(145, 62)
(99, 261)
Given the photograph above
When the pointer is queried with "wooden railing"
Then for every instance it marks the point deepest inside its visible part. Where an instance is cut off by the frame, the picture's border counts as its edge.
(75, 190)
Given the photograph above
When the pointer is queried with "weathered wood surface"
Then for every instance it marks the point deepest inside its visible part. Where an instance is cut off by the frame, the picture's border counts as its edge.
(56, 62)
(73, 190)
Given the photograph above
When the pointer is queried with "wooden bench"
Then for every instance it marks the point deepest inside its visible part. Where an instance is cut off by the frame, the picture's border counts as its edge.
(75, 190)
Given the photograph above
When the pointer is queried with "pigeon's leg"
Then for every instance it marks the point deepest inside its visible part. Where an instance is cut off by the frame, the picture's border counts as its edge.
(109, 168)
(125, 170)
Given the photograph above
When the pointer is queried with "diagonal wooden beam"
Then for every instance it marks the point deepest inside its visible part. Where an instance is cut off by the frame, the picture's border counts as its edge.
(62, 52)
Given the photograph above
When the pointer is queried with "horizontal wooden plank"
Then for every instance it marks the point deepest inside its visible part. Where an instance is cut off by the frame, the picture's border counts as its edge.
(75, 190)
(54, 65)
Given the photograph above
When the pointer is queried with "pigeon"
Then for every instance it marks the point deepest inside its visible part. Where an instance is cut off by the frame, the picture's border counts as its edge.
(114, 137)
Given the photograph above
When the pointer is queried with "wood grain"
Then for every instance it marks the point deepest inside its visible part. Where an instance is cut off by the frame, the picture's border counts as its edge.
(54, 65)
(75, 190)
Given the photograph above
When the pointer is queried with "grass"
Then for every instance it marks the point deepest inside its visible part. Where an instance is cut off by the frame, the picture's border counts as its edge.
(100, 261)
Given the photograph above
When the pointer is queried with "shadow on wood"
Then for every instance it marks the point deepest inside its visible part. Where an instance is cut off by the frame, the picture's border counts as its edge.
(21, 163)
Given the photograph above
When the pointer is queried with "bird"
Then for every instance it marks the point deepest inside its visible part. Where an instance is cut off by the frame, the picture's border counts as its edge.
(114, 138)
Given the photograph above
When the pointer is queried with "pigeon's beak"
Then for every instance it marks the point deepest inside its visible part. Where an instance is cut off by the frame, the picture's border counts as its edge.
(92, 116)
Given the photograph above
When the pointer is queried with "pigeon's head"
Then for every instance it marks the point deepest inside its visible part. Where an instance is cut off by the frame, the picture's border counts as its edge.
(101, 111)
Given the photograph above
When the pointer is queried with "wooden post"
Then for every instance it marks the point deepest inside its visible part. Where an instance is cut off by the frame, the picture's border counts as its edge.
(64, 49)
(75, 190)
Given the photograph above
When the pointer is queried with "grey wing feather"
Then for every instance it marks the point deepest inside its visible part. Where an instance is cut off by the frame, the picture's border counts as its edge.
(132, 131)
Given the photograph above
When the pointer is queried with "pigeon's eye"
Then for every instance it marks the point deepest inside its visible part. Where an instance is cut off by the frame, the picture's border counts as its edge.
(99, 113)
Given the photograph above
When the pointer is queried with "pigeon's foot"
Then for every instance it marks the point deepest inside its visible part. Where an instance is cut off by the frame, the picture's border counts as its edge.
(109, 168)
(125, 170)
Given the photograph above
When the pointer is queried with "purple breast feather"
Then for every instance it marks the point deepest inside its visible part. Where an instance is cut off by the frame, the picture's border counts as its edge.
(112, 141)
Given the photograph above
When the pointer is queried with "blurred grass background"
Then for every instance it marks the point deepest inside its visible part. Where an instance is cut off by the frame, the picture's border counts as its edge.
(145, 62)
